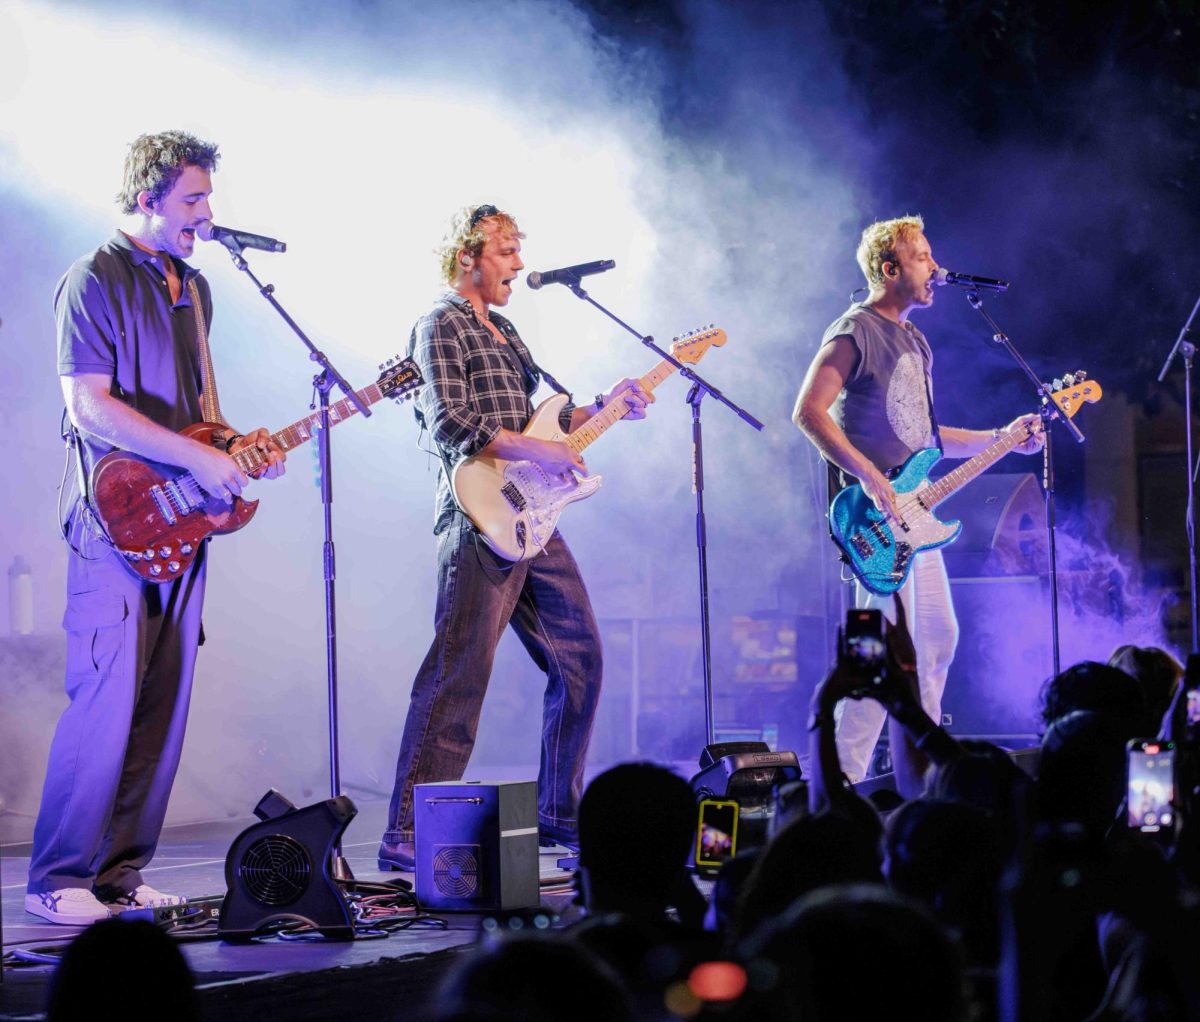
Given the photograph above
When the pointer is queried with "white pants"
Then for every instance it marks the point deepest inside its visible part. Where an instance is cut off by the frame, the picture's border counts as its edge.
(934, 629)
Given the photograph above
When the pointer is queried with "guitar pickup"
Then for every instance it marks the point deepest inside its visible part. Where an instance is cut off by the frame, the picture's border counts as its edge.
(861, 544)
(513, 496)
(163, 504)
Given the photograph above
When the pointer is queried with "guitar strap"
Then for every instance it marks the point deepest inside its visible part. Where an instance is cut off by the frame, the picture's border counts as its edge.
(210, 405)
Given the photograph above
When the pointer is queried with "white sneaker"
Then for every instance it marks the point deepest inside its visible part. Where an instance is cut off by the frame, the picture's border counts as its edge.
(68, 906)
(143, 896)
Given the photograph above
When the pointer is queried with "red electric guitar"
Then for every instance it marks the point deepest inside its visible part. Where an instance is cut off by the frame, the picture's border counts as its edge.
(157, 515)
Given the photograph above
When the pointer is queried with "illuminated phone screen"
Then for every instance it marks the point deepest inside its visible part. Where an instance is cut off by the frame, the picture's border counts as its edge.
(716, 834)
(1150, 790)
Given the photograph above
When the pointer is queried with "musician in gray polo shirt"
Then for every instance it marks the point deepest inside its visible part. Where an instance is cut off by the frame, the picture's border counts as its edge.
(867, 405)
(129, 359)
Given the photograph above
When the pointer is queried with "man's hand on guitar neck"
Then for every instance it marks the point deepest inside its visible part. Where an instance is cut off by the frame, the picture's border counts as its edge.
(1031, 425)
(268, 449)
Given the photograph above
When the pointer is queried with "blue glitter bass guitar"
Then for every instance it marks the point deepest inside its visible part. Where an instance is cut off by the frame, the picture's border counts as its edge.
(882, 557)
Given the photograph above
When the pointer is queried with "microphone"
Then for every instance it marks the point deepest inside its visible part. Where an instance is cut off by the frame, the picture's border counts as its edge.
(229, 237)
(568, 274)
(944, 277)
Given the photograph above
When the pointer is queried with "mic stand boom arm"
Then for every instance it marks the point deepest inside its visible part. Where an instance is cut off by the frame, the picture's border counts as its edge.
(323, 383)
(1049, 413)
(695, 395)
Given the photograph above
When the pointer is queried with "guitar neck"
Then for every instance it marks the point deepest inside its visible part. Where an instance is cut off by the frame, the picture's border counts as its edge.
(303, 430)
(615, 410)
(956, 479)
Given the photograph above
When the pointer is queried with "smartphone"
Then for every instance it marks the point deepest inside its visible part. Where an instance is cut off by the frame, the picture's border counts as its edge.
(1150, 785)
(716, 833)
(862, 640)
(1191, 692)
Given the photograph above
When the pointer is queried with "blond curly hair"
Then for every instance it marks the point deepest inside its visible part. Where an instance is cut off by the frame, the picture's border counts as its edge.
(466, 234)
(879, 241)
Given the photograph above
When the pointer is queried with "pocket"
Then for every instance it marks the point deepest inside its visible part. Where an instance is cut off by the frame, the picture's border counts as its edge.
(94, 623)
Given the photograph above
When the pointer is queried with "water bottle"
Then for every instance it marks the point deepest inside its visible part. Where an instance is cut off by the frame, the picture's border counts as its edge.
(20, 597)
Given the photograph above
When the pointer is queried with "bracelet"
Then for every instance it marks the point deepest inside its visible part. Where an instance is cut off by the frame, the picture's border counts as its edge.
(232, 440)
(996, 434)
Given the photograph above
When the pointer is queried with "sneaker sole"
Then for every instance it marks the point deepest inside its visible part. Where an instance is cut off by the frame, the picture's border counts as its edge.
(34, 906)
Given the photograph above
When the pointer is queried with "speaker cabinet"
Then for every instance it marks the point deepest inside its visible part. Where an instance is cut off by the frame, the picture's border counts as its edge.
(477, 845)
(1003, 655)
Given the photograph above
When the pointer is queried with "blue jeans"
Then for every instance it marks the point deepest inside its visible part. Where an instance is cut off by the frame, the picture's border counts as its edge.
(479, 594)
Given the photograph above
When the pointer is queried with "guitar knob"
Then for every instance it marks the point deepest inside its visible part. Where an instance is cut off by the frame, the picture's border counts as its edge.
(172, 566)
(156, 569)
(185, 549)
(148, 555)
(164, 551)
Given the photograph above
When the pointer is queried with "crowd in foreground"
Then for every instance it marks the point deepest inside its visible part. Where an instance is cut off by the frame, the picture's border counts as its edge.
(975, 891)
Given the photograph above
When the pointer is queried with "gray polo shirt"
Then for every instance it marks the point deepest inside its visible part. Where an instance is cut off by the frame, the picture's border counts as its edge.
(885, 407)
(115, 316)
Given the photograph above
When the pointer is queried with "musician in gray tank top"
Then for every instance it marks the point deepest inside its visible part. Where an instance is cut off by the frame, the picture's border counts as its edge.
(884, 408)
(867, 405)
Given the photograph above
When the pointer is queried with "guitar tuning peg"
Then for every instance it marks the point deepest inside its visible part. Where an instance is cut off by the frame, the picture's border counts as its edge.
(1056, 383)
(711, 325)
(381, 367)
(1080, 375)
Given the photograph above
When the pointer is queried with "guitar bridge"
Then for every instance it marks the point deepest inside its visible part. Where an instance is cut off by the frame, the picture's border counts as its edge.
(513, 496)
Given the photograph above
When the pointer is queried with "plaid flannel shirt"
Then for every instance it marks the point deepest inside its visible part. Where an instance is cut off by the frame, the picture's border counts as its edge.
(473, 387)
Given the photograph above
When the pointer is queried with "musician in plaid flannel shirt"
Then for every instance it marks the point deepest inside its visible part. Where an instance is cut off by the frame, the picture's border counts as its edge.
(479, 379)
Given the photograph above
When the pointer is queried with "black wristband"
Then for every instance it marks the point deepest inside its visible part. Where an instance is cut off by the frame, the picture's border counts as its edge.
(599, 402)
(232, 440)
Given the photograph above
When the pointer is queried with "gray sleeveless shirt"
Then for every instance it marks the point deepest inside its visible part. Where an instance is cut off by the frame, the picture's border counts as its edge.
(885, 408)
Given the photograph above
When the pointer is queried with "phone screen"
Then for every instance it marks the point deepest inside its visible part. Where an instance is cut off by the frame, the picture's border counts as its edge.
(716, 834)
(1191, 684)
(864, 636)
(1150, 790)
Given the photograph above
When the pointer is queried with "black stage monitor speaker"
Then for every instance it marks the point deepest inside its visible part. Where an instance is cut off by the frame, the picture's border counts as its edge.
(278, 870)
(477, 845)
(746, 773)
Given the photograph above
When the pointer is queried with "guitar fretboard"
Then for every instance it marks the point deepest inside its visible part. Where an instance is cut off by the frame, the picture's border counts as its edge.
(302, 430)
(935, 493)
(615, 410)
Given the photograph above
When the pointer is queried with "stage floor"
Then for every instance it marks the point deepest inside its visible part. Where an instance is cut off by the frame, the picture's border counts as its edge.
(391, 976)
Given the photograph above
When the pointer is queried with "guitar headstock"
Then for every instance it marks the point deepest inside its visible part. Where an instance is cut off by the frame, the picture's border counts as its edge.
(399, 378)
(690, 347)
(1072, 391)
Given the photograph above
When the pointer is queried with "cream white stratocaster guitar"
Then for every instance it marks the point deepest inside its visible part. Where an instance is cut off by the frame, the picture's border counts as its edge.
(515, 505)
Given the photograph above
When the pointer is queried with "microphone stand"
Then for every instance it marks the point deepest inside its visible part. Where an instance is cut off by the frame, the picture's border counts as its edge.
(1187, 349)
(700, 387)
(1049, 412)
(323, 383)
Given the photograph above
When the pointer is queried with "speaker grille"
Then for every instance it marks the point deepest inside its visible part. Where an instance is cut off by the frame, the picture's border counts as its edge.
(456, 871)
(276, 870)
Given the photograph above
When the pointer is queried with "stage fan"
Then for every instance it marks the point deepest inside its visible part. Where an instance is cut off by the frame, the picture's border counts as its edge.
(278, 870)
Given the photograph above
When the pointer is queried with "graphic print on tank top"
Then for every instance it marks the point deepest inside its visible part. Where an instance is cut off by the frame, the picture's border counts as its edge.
(907, 407)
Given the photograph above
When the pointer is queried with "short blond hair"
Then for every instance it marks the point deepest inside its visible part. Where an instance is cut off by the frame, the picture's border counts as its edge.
(466, 234)
(879, 241)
